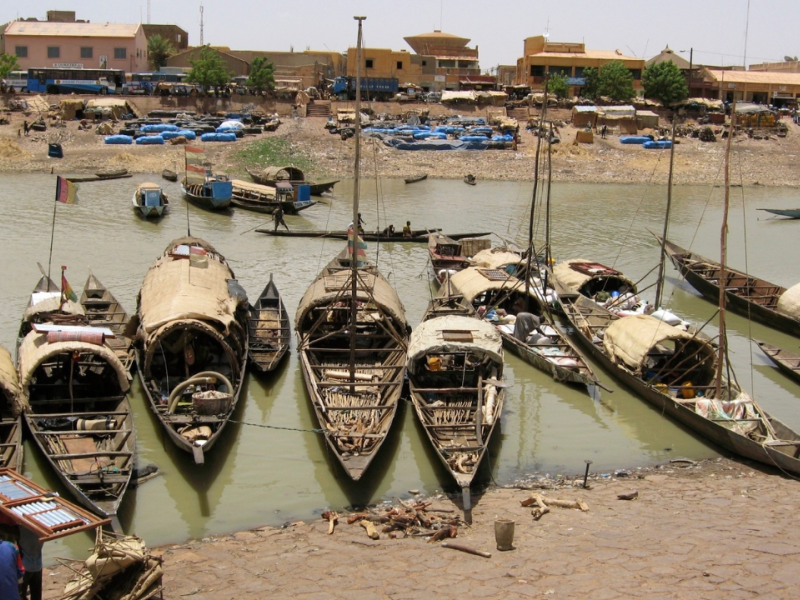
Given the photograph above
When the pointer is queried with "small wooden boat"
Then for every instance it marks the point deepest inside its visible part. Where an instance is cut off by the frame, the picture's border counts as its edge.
(192, 329)
(112, 173)
(792, 213)
(591, 279)
(416, 178)
(766, 302)
(90, 178)
(269, 330)
(417, 235)
(11, 409)
(149, 200)
(265, 199)
(787, 362)
(102, 309)
(445, 256)
(269, 176)
(76, 389)
(214, 193)
(169, 175)
(675, 371)
(455, 371)
(526, 325)
(470, 179)
(355, 403)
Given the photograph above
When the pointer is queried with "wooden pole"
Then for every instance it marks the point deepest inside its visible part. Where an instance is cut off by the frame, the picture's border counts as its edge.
(662, 258)
(723, 341)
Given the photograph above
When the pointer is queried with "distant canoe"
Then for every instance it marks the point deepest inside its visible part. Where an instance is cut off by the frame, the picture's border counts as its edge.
(169, 175)
(418, 235)
(111, 173)
(271, 175)
(787, 363)
(469, 179)
(416, 178)
(88, 178)
(792, 213)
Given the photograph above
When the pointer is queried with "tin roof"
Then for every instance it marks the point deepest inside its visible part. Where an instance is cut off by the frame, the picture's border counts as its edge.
(52, 29)
(756, 77)
(597, 54)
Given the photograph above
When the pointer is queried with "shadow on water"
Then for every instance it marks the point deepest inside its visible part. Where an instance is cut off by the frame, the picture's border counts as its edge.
(267, 385)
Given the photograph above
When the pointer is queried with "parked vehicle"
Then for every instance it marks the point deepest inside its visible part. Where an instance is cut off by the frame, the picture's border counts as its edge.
(372, 88)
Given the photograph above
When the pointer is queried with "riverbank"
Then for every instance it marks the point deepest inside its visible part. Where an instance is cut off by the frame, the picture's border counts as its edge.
(716, 529)
(768, 162)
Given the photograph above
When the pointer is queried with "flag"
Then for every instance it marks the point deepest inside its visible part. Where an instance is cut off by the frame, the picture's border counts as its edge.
(66, 191)
(67, 293)
(195, 171)
(360, 245)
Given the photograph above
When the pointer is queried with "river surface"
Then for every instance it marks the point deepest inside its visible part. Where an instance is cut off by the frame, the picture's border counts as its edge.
(270, 471)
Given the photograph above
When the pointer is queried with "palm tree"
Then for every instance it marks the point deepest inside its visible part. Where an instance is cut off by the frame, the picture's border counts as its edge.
(159, 49)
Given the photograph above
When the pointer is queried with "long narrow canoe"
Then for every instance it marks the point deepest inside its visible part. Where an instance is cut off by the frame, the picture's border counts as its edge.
(268, 325)
(455, 371)
(445, 257)
(417, 235)
(787, 362)
(755, 298)
(10, 414)
(675, 372)
(792, 213)
(104, 310)
(76, 389)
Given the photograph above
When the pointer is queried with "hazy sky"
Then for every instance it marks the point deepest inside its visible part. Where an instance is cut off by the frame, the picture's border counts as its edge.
(714, 28)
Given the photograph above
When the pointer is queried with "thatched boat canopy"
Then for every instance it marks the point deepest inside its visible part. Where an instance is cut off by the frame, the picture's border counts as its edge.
(789, 302)
(472, 282)
(497, 258)
(9, 383)
(436, 336)
(281, 174)
(583, 276)
(633, 340)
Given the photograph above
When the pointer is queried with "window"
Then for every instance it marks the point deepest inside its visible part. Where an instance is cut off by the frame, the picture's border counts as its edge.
(86, 52)
(120, 53)
(53, 52)
(636, 73)
(537, 70)
(565, 71)
(424, 63)
(368, 63)
(21, 51)
(579, 71)
(399, 65)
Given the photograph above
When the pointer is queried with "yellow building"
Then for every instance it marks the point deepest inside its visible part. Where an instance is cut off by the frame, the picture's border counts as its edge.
(386, 63)
(541, 56)
(760, 87)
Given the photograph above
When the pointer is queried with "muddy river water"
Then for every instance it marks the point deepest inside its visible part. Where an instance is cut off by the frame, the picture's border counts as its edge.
(270, 470)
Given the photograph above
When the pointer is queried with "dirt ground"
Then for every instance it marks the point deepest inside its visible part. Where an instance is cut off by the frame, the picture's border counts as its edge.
(756, 162)
(717, 530)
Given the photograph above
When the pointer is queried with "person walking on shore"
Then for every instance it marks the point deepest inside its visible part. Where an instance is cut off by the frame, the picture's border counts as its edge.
(31, 549)
(11, 570)
(278, 218)
(25, 127)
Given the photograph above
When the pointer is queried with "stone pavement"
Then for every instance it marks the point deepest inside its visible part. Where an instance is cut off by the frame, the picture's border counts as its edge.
(720, 529)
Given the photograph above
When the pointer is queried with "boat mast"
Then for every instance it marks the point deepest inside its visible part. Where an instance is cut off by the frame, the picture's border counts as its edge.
(354, 240)
(533, 199)
(723, 340)
(662, 256)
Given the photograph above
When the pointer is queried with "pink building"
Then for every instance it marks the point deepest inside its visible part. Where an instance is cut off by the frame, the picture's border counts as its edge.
(77, 45)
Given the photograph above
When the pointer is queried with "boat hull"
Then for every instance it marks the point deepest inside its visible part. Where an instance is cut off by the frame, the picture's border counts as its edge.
(787, 363)
(269, 330)
(208, 202)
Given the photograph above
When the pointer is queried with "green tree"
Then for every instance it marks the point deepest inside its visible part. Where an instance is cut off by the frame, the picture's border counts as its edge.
(615, 81)
(159, 49)
(665, 82)
(592, 77)
(557, 85)
(262, 75)
(208, 70)
(8, 63)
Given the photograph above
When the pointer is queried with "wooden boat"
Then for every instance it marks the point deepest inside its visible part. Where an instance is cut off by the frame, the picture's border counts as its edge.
(675, 372)
(445, 256)
(792, 213)
(212, 194)
(787, 362)
(750, 296)
(416, 178)
(591, 279)
(352, 341)
(469, 179)
(455, 371)
(265, 199)
(269, 330)
(269, 176)
(76, 389)
(524, 322)
(90, 178)
(417, 235)
(112, 173)
(102, 309)
(11, 408)
(149, 200)
(169, 175)
(192, 331)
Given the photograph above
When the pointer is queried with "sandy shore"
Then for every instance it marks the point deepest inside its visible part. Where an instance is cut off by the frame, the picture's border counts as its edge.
(755, 162)
(718, 529)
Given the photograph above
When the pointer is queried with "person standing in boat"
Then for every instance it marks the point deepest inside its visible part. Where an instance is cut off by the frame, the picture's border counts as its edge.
(277, 216)
(407, 229)
(360, 224)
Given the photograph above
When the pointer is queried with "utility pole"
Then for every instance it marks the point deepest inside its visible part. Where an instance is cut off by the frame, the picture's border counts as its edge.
(201, 25)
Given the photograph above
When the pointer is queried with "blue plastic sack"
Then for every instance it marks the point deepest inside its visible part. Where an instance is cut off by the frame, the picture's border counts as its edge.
(119, 139)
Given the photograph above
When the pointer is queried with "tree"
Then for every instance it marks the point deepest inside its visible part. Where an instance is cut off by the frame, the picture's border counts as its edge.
(159, 49)
(664, 81)
(592, 77)
(208, 70)
(8, 63)
(615, 81)
(557, 85)
(262, 75)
